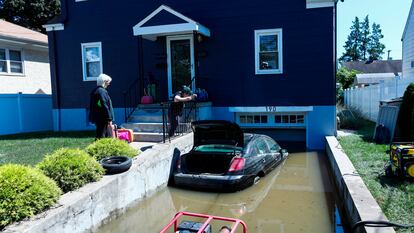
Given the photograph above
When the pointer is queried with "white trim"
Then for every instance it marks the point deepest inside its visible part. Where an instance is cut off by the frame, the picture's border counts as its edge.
(54, 27)
(89, 45)
(266, 109)
(319, 5)
(181, 37)
(8, 66)
(257, 34)
(169, 29)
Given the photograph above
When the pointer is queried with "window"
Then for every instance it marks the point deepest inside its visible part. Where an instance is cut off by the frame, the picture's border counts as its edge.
(289, 119)
(91, 60)
(11, 61)
(268, 51)
(253, 119)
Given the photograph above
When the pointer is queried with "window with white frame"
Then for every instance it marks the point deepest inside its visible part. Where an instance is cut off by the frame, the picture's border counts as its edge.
(268, 51)
(91, 60)
(11, 61)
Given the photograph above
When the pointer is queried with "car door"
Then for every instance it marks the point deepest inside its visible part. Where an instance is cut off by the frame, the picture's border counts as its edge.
(264, 153)
(274, 151)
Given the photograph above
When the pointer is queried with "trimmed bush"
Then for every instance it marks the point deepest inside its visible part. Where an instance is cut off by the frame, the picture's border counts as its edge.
(24, 192)
(406, 116)
(107, 147)
(71, 168)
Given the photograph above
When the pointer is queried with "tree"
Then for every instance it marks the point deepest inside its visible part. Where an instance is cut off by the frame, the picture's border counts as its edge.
(346, 77)
(353, 43)
(365, 38)
(362, 44)
(375, 47)
(31, 14)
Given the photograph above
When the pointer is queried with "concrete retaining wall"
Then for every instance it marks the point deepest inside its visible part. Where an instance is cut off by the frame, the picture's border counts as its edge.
(354, 200)
(92, 205)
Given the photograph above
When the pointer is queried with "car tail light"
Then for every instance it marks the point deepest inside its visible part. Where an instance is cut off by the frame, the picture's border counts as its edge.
(237, 164)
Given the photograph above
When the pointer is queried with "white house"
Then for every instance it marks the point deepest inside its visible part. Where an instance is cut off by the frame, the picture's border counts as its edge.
(408, 46)
(24, 60)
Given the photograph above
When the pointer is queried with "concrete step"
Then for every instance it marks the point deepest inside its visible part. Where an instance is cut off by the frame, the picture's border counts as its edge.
(146, 116)
(147, 137)
(152, 127)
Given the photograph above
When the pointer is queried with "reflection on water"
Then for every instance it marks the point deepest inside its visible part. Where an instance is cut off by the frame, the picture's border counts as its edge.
(295, 197)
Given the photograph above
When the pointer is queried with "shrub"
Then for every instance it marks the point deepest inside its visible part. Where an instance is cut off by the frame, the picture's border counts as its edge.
(107, 147)
(71, 168)
(350, 118)
(406, 116)
(24, 192)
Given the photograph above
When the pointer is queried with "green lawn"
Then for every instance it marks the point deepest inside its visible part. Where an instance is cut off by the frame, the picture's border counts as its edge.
(396, 197)
(30, 148)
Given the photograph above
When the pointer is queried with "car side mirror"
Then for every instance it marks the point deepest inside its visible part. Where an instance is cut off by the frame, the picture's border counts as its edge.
(283, 151)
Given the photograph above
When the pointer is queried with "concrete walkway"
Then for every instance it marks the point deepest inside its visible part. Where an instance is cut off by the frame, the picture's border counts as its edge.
(345, 132)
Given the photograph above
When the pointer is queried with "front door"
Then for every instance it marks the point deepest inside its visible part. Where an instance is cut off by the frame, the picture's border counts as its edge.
(180, 59)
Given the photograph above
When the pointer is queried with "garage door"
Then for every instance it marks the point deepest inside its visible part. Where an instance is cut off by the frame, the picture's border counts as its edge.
(279, 126)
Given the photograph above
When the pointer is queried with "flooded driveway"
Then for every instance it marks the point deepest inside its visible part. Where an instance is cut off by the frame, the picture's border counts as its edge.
(296, 197)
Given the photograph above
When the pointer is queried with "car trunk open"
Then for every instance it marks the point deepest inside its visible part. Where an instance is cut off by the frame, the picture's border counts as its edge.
(202, 162)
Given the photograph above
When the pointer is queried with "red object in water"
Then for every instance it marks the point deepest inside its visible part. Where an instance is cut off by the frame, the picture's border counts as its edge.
(146, 99)
(205, 224)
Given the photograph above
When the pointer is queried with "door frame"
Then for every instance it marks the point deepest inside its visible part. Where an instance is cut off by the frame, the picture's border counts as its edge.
(180, 37)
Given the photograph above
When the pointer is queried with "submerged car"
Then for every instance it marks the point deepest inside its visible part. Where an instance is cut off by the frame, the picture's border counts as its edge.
(224, 158)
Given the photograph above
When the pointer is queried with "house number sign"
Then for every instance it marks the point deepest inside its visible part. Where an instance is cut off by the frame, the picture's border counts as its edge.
(271, 108)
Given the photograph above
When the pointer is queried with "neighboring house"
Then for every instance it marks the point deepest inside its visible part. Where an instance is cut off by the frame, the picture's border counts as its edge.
(408, 46)
(24, 60)
(376, 66)
(374, 72)
(265, 64)
(362, 80)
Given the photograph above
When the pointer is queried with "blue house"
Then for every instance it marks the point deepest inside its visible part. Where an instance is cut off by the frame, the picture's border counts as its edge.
(265, 64)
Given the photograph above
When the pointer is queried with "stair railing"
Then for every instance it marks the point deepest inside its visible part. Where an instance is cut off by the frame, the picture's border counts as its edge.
(189, 114)
(131, 99)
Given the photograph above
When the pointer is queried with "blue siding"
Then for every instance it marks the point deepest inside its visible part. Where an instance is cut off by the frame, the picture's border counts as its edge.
(321, 122)
(77, 119)
(226, 69)
(25, 113)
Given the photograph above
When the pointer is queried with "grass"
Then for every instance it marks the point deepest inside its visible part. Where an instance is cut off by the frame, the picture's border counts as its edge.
(30, 148)
(395, 196)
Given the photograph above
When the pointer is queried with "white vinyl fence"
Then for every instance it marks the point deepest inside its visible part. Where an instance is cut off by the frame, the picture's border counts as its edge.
(366, 99)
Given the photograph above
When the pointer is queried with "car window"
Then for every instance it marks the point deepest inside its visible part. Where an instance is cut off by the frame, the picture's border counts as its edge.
(273, 146)
(262, 146)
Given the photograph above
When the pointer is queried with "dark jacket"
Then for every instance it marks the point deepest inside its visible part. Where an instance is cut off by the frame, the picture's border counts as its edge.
(100, 106)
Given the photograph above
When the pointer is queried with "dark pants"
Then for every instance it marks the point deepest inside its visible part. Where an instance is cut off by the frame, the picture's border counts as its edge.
(173, 119)
(103, 130)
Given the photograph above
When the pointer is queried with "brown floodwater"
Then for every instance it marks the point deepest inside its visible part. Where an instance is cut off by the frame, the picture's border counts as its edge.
(296, 197)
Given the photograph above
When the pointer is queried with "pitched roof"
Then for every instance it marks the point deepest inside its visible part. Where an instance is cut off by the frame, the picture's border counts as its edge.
(13, 31)
(373, 78)
(408, 20)
(377, 66)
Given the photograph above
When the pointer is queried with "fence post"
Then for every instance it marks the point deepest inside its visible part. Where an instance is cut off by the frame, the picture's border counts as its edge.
(370, 103)
(381, 96)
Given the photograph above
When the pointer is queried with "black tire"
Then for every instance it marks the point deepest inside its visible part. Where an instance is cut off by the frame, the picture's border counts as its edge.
(116, 164)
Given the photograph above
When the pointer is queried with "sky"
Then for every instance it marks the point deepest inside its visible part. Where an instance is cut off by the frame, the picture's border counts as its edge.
(390, 14)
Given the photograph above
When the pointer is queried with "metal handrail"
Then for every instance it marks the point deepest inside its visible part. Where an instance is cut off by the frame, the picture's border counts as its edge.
(190, 114)
(204, 226)
(131, 99)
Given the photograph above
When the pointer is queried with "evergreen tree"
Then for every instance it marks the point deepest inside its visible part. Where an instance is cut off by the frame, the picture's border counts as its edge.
(29, 13)
(375, 47)
(353, 43)
(365, 38)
